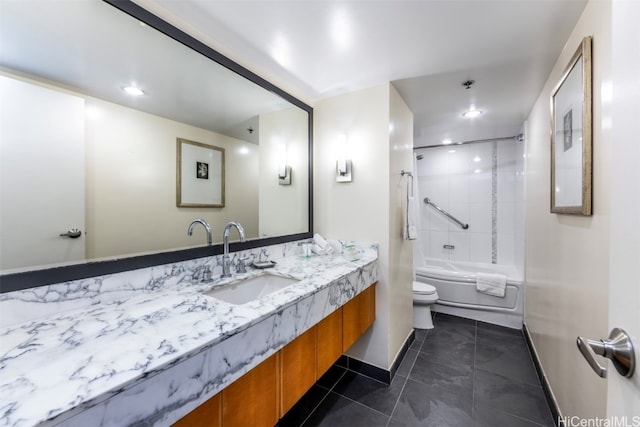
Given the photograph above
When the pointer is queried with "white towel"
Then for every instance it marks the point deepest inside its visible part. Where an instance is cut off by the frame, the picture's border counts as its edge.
(409, 228)
(412, 229)
(491, 284)
(320, 245)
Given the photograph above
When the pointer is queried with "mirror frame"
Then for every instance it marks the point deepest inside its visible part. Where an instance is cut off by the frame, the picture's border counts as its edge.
(46, 276)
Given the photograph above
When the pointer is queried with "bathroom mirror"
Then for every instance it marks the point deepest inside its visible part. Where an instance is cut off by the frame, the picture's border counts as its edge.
(79, 152)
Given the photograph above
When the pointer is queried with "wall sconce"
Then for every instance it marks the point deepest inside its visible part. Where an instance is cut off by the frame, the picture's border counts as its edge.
(343, 164)
(284, 170)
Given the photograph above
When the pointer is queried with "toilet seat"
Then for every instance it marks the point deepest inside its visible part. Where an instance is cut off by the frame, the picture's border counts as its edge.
(423, 288)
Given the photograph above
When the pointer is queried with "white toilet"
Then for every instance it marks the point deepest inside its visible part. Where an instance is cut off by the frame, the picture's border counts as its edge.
(424, 295)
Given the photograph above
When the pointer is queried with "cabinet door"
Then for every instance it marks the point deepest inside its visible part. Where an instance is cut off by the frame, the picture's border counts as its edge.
(298, 368)
(252, 400)
(329, 341)
(357, 315)
(209, 414)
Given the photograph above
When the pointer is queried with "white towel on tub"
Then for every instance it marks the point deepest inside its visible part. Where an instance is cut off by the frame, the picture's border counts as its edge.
(491, 284)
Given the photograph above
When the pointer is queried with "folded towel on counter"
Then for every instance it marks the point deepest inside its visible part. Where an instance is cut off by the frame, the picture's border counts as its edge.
(491, 284)
(320, 245)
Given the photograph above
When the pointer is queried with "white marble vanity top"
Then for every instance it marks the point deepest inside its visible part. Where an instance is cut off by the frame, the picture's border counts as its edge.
(51, 366)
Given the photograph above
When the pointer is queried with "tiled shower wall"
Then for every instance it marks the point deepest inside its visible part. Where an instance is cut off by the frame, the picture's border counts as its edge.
(481, 184)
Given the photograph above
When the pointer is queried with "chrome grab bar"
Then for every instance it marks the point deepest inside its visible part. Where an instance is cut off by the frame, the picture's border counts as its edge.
(428, 201)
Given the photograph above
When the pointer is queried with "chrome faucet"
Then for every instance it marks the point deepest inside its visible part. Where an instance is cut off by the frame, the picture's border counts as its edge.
(226, 267)
(206, 227)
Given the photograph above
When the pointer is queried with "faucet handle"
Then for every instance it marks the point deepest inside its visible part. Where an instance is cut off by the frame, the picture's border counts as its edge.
(242, 267)
(206, 274)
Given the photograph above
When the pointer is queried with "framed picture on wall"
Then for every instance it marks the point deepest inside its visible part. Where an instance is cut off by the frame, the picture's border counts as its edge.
(199, 175)
(571, 136)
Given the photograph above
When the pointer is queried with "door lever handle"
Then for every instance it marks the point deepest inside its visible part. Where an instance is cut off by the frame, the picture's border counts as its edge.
(74, 233)
(618, 348)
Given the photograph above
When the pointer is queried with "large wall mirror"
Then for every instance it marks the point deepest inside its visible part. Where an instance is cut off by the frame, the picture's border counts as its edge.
(78, 152)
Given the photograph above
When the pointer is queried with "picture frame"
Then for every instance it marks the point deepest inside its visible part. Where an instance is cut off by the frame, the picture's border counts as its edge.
(571, 136)
(200, 175)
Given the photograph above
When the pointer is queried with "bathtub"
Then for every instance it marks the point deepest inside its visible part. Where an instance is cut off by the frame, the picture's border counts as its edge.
(456, 285)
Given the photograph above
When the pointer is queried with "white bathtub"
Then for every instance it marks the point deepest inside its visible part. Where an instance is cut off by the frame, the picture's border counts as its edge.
(456, 285)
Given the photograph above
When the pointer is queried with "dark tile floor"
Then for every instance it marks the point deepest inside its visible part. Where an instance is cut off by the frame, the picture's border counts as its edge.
(461, 373)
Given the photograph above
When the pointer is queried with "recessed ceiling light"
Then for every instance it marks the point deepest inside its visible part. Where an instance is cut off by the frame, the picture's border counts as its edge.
(281, 50)
(476, 159)
(340, 28)
(133, 91)
(447, 141)
(471, 113)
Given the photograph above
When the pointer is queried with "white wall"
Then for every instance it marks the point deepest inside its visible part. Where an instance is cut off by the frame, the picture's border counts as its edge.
(365, 209)
(131, 183)
(567, 267)
(400, 251)
(283, 208)
(459, 179)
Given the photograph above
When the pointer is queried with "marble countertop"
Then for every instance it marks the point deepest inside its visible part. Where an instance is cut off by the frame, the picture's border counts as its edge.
(78, 358)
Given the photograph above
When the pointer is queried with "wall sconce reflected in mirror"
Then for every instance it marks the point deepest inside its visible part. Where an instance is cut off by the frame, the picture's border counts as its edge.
(343, 164)
(284, 170)
(343, 171)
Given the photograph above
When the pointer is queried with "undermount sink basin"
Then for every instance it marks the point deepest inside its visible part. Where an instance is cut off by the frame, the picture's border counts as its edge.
(250, 289)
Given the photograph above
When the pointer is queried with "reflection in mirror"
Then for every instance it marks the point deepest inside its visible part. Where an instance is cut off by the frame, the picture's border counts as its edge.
(78, 151)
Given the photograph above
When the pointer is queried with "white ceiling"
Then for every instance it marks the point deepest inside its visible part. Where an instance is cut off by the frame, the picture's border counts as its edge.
(427, 48)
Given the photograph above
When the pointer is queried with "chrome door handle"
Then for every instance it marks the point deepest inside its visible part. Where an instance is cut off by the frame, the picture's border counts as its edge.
(618, 348)
(74, 233)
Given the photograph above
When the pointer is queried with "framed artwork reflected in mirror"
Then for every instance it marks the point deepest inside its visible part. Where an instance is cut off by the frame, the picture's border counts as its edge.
(199, 175)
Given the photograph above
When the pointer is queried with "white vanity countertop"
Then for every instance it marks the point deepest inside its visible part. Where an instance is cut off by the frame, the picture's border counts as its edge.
(53, 365)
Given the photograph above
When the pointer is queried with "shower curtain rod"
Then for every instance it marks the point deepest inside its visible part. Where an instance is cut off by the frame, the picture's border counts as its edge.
(473, 141)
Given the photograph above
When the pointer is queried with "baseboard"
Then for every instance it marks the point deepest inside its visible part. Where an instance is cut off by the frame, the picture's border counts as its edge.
(546, 387)
(375, 372)
(403, 351)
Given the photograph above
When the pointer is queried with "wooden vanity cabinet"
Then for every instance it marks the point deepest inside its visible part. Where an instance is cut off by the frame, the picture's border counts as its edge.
(357, 315)
(253, 399)
(297, 369)
(329, 333)
(265, 393)
(209, 414)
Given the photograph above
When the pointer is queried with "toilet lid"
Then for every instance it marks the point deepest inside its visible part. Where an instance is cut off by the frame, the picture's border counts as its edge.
(423, 288)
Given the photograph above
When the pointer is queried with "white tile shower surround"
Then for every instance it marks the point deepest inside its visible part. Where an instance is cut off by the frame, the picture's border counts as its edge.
(453, 180)
(145, 347)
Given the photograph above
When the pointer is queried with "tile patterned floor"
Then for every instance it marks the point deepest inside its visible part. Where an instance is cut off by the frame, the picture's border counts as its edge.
(461, 373)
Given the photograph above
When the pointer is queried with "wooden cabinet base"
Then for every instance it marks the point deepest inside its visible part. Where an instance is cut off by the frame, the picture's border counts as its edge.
(252, 400)
(268, 391)
(329, 341)
(209, 414)
(357, 315)
(297, 369)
